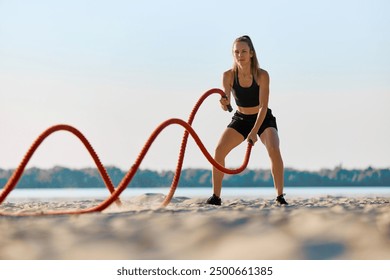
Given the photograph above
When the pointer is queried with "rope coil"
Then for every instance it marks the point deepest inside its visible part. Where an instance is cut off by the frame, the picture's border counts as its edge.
(116, 192)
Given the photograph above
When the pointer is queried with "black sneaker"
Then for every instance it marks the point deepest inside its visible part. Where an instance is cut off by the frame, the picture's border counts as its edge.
(280, 199)
(215, 200)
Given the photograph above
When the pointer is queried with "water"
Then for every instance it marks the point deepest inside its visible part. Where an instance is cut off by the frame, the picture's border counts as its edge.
(265, 192)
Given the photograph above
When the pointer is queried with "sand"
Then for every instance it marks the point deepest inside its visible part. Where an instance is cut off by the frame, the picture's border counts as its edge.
(337, 228)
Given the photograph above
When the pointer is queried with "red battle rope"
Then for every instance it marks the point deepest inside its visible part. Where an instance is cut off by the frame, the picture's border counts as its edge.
(115, 192)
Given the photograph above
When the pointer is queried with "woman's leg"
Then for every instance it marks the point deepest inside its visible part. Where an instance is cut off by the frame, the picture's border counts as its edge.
(228, 141)
(270, 139)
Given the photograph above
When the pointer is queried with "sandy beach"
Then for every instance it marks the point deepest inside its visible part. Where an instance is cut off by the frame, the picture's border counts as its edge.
(327, 227)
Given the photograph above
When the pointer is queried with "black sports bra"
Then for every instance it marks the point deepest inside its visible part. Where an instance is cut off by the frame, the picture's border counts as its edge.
(246, 96)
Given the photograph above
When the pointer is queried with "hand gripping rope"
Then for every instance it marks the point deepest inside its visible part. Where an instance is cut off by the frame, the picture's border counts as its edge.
(115, 192)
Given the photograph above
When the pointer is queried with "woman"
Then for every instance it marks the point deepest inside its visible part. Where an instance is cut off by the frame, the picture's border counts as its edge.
(250, 87)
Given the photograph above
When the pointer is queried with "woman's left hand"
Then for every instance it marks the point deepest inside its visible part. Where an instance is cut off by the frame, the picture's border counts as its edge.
(252, 137)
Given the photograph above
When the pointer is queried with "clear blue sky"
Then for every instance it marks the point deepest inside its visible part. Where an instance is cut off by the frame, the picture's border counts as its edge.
(116, 69)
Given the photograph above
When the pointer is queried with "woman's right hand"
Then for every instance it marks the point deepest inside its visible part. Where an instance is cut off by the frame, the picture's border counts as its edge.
(225, 103)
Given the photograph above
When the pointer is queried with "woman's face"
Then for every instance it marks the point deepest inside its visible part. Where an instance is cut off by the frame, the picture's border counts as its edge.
(242, 53)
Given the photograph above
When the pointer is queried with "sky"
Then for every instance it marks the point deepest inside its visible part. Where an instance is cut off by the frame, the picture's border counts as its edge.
(116, 69)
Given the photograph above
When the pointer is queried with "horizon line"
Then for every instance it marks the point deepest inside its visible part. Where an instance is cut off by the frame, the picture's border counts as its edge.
(340, 166)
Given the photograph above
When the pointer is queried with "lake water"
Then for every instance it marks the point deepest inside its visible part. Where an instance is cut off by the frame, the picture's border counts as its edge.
(263, 192)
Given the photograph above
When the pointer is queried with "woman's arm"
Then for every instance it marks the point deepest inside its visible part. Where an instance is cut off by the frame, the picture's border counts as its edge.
(263, 81)
(227, 88)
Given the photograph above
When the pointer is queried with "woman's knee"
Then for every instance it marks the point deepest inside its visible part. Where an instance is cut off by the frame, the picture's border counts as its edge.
(273, 150)
(220, 151)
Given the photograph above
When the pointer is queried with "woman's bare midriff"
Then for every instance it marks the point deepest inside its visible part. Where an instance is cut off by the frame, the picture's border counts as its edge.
(248, 110)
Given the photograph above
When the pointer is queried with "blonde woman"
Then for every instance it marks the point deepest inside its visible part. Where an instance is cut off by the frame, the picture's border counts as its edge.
(249, 85)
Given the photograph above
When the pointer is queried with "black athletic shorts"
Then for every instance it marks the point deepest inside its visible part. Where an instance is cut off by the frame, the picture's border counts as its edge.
(244, 123)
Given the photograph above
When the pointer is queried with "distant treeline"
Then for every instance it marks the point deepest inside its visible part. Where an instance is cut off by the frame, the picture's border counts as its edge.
(61, 177)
